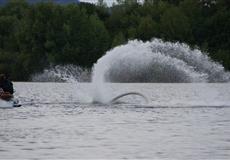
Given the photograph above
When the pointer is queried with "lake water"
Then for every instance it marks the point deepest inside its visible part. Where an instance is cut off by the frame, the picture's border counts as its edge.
(58, 120)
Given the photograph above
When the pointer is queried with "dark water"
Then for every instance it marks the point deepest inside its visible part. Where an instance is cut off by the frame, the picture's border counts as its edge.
(57, 120)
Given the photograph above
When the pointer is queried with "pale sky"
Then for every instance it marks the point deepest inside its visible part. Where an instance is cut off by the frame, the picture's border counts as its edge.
(109, 2)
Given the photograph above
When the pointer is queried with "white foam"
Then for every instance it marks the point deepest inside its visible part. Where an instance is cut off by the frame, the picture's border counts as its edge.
(63, 73)
(154, 61)
(6, 104)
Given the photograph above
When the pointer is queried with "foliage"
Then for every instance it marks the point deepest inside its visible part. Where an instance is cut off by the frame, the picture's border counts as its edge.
(33, 36)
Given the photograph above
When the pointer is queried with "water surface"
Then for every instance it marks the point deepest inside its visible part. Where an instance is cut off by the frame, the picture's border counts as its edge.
(57, 120)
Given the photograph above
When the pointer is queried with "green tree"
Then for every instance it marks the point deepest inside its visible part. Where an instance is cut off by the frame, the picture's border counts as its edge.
(7, 27)
(193, 11)
(118, 40)
(147, 29)
(175, 25)
(101, 3)
(15, 8)
(33, 36)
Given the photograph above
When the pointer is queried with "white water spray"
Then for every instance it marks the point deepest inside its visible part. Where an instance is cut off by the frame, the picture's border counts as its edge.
(154, 61)
(63, 73)
(5, 104)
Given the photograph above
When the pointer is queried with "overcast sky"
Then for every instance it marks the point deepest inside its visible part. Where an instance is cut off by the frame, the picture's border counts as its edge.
(109, 2)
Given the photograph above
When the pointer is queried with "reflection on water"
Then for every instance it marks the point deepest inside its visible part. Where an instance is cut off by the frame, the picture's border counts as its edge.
(181, 121)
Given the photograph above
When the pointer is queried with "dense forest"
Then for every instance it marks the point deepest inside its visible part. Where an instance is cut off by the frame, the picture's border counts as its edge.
(35, 36)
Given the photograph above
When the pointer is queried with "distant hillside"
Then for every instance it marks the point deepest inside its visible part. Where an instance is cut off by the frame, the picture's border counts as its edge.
(2, 2)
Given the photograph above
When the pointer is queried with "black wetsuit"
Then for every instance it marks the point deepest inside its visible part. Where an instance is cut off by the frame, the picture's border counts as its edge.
(7, 86)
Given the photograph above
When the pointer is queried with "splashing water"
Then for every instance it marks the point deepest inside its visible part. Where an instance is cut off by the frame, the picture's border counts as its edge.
(137, 61)
(154, 61)
(6, 104)
(63, 73)
(157, 61)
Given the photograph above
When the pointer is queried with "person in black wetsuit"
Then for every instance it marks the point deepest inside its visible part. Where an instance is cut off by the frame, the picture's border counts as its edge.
(5, 84)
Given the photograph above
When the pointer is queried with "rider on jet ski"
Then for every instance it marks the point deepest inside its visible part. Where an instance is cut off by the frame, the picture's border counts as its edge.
(6, 87)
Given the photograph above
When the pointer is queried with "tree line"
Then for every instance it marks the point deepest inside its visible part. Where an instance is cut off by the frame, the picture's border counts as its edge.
(34, 36)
